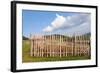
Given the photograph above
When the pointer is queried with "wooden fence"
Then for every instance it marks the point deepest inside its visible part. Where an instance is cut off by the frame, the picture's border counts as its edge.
(54, 45)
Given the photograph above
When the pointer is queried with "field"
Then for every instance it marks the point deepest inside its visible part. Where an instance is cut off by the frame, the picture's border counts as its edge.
(27, 58)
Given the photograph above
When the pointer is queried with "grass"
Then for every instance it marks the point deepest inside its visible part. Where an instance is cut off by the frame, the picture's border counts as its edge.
(27, 58)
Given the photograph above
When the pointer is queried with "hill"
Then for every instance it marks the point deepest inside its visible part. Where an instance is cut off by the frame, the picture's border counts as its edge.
(25, 38)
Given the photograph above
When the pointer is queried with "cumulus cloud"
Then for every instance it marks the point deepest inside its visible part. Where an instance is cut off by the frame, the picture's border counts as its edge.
(48, 29)
(78, 30)
(58, 22)
(77, 22)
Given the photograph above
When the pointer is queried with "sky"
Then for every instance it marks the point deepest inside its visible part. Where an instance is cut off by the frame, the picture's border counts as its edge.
(52, 22)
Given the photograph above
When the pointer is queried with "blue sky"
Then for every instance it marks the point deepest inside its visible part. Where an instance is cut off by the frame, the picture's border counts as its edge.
(45, 22)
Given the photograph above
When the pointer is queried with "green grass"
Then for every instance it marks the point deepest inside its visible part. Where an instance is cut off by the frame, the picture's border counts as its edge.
(27, 58)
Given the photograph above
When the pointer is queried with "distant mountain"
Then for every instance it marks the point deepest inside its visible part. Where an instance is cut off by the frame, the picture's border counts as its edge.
(25, 38)
(57, 36)
(87, 34)
(65, 37)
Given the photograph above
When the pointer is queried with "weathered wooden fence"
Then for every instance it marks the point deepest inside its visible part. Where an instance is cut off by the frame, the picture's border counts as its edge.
(54, 45)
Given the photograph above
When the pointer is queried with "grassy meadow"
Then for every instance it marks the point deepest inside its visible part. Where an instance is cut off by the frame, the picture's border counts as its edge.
(27, 58)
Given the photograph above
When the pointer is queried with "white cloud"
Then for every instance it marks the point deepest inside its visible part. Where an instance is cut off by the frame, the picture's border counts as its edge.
(75, 23)
(48, 29)
(58, 22)
(78, 30)
(55, 24)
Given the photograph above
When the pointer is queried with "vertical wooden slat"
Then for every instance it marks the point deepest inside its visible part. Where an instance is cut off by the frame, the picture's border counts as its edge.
(50, 46)
(60, 45)
(31, 41)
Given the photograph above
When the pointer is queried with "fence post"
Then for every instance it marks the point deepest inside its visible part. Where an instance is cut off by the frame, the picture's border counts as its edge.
(42, 45)
(60, 45)
(31, 41)
(50, 45)
(75, 45)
